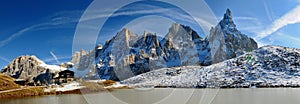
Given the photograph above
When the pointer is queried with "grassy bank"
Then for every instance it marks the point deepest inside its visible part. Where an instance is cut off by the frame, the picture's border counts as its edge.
(32, 91)
(7, 83)
(89, 87)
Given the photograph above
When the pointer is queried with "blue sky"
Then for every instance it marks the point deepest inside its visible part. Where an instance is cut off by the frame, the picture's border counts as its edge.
(46, 29)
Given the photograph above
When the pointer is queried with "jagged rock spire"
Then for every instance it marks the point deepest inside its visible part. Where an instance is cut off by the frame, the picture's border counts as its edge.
(227, 15)
(227, 21)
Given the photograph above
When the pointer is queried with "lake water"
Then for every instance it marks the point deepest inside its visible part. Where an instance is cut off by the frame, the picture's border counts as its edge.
(172, 96)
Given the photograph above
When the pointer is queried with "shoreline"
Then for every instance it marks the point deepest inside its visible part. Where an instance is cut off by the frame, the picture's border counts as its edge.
(82, 88)
(38, 91)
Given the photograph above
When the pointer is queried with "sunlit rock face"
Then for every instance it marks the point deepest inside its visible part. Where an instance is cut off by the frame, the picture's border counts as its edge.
(32, 69)
(227, 42)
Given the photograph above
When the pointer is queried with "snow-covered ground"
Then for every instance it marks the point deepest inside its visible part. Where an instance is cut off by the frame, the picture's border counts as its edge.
(115, 85)
(65, 87)
(268, 66)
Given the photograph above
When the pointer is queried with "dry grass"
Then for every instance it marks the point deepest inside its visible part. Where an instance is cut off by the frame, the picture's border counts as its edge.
(34, 91)
(108, 82)
(91, 87)
(96, 87)
(7, 83)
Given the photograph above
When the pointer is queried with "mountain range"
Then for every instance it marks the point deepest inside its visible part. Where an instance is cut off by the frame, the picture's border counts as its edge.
(182, 58)
(128, 54)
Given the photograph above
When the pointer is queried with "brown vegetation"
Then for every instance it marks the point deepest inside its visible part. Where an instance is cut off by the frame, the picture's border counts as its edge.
(92, 87)
(7, 83)
(34, 91)
(108, 82)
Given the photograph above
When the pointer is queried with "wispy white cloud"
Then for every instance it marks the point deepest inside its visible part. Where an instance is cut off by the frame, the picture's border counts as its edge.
(55, 21)
(249, 24)
(4, 59)
(279, 38)
(138, 26)
(267, 9)
(288, 37)
(54, 56)
(291, 17)
(66, 17)
(124, 13)
(53, 60)
(17, 34)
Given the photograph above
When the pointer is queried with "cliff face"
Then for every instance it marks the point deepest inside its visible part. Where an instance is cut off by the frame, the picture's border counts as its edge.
(127, 55)
(226, 41)
(29, 68)
(24, 67)
(83, 59)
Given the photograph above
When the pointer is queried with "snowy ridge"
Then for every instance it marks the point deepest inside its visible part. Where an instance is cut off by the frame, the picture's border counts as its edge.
(268, 66)
(54, 68)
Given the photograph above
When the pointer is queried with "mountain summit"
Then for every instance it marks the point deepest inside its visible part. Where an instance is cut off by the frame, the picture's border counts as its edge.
(226, 41)
(29, 68)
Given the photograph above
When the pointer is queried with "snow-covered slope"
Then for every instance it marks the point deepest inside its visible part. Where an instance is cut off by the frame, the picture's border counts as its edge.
(268, 66)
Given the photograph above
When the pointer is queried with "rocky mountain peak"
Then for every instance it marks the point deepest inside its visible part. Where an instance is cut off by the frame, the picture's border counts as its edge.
(83, 59)
(183, 30)
(28, 67)
(226, 41)
(149, 39)
(127, 35)
(227, 21)
(228, 15)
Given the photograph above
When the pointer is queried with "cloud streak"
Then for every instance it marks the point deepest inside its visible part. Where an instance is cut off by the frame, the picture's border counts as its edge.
(54, 56)
(66, 17)
(53, 60)
(291, 17)
(55, 21)
(4, 59)
(17, 34)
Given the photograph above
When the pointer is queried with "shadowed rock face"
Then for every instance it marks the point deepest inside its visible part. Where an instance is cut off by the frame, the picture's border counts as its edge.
(127, 55)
